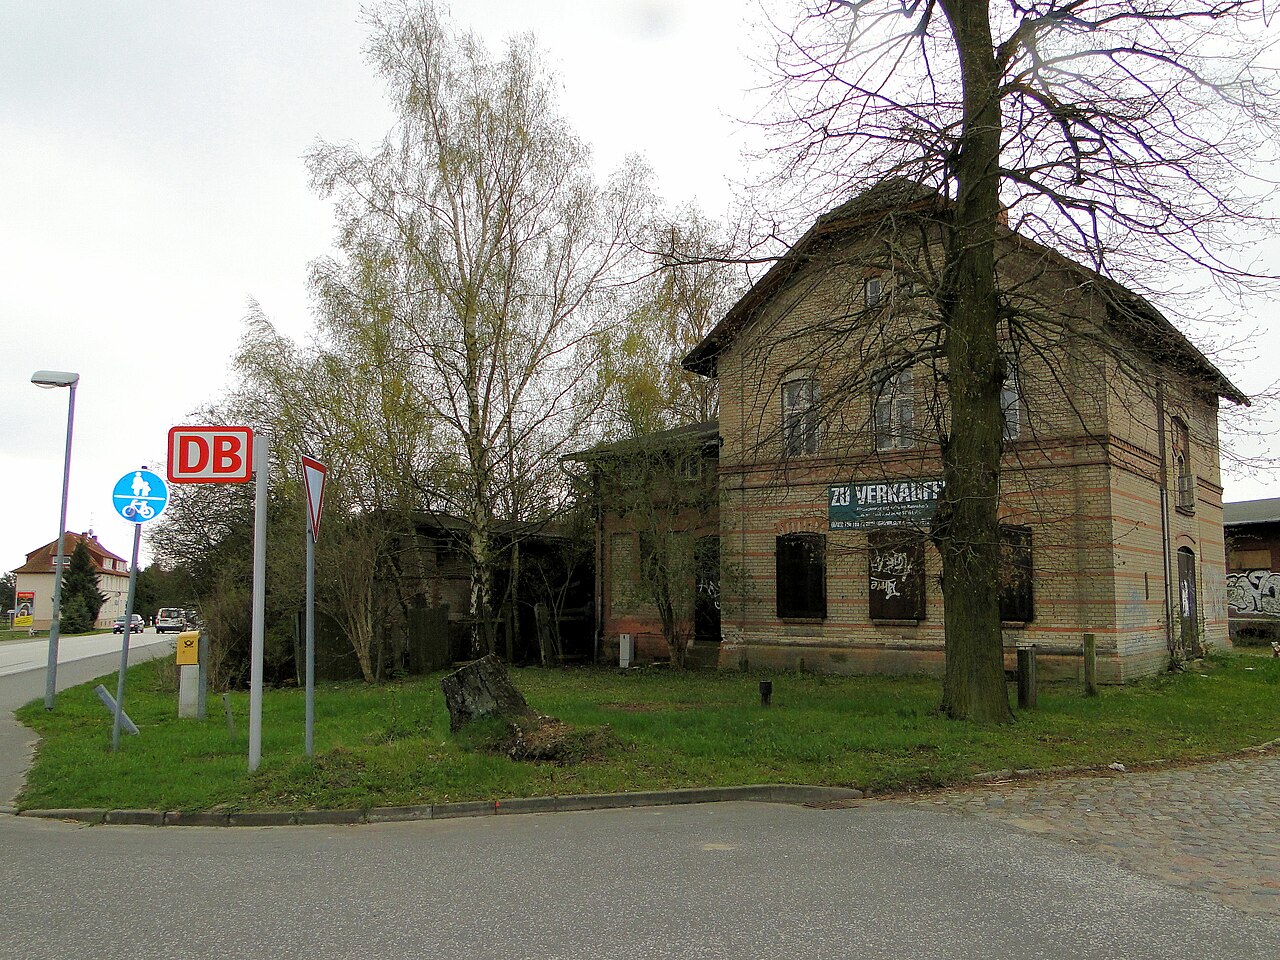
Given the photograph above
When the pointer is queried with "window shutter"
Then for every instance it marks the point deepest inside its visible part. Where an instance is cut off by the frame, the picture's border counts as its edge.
(895, 577)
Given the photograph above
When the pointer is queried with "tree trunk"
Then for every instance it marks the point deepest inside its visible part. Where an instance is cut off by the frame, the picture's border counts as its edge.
(513, 593)
(481, 688)
(482, 634)
(968, 527)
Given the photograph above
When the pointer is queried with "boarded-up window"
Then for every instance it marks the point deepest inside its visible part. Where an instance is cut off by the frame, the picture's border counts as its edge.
(622, 573)
(895, 577)
(1017, 599)
(1253, 559)
(802, 575)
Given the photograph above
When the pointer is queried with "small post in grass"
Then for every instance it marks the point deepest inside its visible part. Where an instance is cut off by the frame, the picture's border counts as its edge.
(1027, 677)
(1090, 665)
(766, 693)
(231, 720)
(110, 702)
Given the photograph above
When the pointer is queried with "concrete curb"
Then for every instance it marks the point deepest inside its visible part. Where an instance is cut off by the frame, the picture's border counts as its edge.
(760, 793)
(794, 793)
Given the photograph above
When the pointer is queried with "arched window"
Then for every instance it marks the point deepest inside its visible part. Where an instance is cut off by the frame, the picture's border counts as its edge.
(1184, 478)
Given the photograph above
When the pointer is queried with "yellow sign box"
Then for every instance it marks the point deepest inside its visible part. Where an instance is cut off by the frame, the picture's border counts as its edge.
(189, 648)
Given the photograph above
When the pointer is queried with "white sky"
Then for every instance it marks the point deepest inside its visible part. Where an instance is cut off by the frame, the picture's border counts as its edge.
(150, 158)
(153, 183)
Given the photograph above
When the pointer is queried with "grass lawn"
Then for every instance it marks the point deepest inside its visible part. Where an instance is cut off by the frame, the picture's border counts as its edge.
(391, 745)
(25, 634)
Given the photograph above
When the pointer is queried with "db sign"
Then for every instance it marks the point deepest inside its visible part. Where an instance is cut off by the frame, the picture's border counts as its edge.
(210, 454)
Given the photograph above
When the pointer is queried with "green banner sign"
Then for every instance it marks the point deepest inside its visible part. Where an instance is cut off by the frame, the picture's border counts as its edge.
(888, 503)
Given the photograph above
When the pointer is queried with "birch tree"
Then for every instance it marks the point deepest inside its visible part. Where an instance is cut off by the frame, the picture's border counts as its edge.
(476, 240)
(691, 280)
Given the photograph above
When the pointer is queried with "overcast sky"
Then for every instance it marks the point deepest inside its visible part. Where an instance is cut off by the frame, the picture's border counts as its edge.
(153, 184)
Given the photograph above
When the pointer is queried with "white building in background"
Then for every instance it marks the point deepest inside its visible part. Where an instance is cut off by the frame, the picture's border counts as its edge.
(36, 576)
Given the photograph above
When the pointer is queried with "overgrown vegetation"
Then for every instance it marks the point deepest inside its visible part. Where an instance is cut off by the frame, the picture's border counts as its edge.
(391, 745)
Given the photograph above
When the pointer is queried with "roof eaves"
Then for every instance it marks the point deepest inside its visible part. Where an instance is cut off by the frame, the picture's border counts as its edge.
(703, 434)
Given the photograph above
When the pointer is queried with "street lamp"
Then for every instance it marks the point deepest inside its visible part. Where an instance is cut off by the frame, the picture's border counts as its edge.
(48, 379)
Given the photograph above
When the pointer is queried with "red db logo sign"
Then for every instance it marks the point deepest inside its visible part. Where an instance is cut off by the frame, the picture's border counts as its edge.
(210, 454)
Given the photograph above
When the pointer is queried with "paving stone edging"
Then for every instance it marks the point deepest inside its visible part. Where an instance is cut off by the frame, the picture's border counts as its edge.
(763, 793)
(992, 776)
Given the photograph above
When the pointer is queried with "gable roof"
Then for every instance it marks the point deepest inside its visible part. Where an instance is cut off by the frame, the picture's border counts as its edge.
(1247, 512)
(1140, 322)
(40, 560)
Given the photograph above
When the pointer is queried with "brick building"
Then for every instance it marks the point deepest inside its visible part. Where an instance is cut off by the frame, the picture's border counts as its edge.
(828, 459)
(1253, 569)
(36, 576)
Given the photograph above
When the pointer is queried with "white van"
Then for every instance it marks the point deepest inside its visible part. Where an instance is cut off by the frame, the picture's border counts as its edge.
(171, 620)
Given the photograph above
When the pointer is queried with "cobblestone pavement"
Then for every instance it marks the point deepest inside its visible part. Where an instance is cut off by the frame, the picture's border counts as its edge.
(1213, 829)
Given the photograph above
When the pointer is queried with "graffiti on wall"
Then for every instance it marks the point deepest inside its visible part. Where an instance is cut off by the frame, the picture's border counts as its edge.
(1254, 592)
(889, 571)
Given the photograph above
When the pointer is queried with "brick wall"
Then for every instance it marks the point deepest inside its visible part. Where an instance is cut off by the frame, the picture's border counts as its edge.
(1084, 474)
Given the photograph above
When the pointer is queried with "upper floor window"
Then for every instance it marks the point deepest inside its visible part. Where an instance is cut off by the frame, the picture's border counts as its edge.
(1183, 475)
(800, 417)
(873, 291)
(894, 410)
(1011, 404)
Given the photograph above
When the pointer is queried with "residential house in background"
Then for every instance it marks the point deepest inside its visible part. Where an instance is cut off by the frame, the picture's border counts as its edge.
(1253, 569)
(828, 464)
(36, 576)
(656, 500)
(543, 586)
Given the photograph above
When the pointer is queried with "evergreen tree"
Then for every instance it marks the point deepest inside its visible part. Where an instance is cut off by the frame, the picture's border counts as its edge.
(75, 617)
(81, 582)
(8, 590)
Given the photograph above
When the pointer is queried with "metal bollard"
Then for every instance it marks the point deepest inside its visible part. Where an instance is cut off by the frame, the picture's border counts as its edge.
(766, 693)
(1027, 677)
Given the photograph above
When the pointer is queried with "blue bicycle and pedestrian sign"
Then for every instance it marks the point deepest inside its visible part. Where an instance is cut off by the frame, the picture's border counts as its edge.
(140, 496)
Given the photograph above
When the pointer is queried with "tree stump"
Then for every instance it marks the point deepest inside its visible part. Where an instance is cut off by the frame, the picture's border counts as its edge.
(482, 688)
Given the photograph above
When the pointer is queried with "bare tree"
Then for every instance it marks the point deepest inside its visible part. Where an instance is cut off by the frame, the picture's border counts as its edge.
(1121, 134)
(693, 277)
(476, 241)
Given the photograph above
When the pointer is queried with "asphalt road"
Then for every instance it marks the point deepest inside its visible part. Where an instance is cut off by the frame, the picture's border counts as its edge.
(733, 880)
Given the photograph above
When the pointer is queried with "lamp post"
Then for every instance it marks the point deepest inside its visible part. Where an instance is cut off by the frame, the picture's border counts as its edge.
(49, 379)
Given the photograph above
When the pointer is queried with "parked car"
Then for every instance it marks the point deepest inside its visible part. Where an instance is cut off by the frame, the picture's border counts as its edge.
(171, 620)
(118, 626)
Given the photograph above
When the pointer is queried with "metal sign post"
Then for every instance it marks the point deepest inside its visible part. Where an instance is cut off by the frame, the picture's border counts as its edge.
(260, 457)
(138, 497)
(124, 643)
(313, 477)
(220, 454)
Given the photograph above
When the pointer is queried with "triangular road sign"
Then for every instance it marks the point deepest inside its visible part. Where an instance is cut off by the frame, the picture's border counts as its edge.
(313, 475)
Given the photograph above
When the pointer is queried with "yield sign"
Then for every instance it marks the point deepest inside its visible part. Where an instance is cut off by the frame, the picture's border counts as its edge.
(313, 474)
